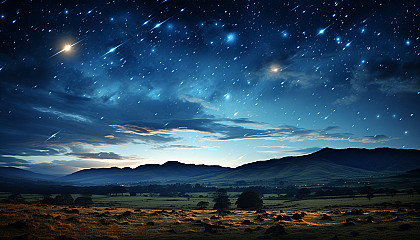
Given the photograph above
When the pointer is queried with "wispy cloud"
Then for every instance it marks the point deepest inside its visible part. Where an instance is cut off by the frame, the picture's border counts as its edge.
(63, 115)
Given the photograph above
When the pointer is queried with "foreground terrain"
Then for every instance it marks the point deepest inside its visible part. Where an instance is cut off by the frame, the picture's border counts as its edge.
(342, 218)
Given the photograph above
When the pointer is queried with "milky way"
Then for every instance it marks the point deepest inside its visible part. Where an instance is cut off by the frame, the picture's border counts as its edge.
(124, 83)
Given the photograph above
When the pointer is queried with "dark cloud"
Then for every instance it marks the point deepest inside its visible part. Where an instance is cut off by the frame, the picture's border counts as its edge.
(99, 155)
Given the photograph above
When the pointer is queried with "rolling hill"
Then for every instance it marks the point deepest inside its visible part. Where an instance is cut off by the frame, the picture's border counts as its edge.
(319, 167)
(11, 174)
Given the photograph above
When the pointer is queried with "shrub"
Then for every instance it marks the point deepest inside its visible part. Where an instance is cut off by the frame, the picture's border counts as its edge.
(249, 199)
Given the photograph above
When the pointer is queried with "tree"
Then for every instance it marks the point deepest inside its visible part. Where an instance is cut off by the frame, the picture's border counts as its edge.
(15, 198)
(118, 189)
(370, 196)
(64, 199)
(303, 192)
(202, 205)
(83, 200)
(221, 200)
(249, 199)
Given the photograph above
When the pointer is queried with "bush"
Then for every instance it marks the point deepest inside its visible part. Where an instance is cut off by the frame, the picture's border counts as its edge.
(83, 201)
(249, 199)
(202, 205)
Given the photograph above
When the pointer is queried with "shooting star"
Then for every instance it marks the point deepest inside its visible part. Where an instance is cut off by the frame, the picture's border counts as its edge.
(294, 8)
(111, 50)
(322, 31)
(52, 136)
(66, 48)
(159, 24)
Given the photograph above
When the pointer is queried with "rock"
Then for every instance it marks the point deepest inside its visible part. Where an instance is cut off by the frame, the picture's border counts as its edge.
(150, 223)
(326, 217)
(349, 222)
(296, 216)
(276, 230)
(260, 211)
(369, 219)
(283, 217)
(126, 214)
(72, 219)
(354, 212)
(246, 222)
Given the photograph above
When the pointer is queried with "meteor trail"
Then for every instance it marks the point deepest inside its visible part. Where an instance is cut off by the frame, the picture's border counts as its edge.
(159, 24)
(52, 136)
(114, 48)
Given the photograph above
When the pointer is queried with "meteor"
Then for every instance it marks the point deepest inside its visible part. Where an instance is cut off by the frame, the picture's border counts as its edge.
(52, 136)
(67, 48)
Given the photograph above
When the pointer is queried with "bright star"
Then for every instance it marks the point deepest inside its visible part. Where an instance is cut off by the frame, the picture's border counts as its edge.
(67, 48)
(275, 68)
(230, 37)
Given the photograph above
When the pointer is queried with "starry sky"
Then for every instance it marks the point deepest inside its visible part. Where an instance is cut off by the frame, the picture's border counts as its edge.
(125, 83)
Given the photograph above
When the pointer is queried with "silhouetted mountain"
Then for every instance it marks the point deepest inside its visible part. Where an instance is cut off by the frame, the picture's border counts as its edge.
(11, 174)
(151, 173)
(322, 166)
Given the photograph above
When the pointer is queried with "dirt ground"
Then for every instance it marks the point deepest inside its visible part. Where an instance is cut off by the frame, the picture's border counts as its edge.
(386, 220)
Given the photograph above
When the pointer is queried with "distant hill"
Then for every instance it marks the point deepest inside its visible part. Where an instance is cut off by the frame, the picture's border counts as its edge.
(11, 174)
(319, 167)
(151, 173)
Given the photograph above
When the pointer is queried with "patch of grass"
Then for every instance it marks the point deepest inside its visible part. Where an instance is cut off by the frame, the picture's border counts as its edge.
(142, 217)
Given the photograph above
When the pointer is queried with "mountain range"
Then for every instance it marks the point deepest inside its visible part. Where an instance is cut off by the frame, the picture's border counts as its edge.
(319, 167)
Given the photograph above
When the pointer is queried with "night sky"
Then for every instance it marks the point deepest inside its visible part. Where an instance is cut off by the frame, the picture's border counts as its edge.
(125, 83)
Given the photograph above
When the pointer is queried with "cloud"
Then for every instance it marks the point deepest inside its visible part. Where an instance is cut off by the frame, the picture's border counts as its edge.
(371, 139)
(52, 168)
(180, 146)
(63, 115)
(99, 155)
(288, 151)
(230, 130)
(347, 100)
(6, 161)
(80, 164)
(389, 76)
(200, 101)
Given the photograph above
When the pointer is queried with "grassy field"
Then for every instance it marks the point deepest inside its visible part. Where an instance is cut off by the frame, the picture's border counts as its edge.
(124, 217)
